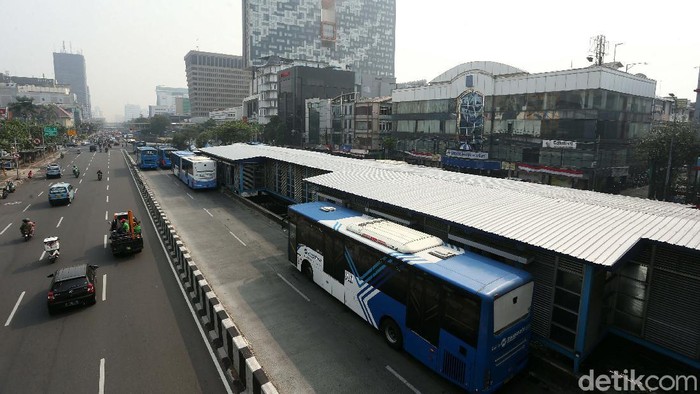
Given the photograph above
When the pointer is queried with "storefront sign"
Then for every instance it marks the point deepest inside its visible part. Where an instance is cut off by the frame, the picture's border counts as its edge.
(559, 144)
(465, 154)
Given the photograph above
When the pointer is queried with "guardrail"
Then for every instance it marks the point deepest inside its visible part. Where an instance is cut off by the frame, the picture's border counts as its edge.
(232, 349)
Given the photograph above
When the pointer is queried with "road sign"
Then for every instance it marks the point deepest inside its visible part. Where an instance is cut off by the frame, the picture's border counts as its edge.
(72, 133)
(50, 131)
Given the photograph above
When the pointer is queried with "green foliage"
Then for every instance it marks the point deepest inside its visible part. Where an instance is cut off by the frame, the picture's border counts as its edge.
(159, 124)
(231, 132)
(679, 140)
(274, 131)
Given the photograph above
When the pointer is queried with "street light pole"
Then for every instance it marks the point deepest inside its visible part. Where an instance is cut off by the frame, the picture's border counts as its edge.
(670, 150)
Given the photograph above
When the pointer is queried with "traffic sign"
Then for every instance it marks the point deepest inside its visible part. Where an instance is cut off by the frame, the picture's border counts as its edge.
(72, 132)
(50, 131)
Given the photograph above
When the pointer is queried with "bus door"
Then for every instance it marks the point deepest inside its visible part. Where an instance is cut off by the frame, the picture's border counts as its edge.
(334, 265)
(423, 319)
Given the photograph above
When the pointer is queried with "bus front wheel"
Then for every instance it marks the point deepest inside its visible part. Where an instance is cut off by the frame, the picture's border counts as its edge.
(392, 333)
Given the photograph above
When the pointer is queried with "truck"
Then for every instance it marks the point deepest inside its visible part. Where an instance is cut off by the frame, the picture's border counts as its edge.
(125, 242)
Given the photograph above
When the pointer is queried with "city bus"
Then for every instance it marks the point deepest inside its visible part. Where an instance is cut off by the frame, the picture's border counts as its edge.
(146, 157)
(197, 172)
(464, 315)
(164, 156)
(176, 160)
(137, 144)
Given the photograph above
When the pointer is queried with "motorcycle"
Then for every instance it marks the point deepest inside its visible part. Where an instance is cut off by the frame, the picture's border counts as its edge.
(99, 176)
(76, 172)
(27, 234)
(4, 193)
(62, 155)
(10, 186)
(52, 247)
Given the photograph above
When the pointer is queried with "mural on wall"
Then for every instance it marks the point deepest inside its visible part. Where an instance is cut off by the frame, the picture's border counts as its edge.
(471, 119)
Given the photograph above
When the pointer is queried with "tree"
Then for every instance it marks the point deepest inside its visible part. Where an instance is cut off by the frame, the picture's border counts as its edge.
(158, 125)
(675, 140)
(274, 131)
(231, 132)
(23, 109)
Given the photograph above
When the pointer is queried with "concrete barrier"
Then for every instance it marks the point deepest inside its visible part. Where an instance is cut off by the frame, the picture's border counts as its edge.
(231, 348)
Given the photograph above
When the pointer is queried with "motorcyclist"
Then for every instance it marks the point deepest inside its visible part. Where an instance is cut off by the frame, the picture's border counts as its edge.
(99, 174)
(76, 171)
(27, 226)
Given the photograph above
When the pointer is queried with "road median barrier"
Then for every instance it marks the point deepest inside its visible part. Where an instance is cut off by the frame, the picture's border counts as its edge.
(232, 350)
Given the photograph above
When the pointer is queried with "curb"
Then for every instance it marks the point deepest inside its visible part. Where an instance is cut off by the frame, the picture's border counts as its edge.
(232, 350)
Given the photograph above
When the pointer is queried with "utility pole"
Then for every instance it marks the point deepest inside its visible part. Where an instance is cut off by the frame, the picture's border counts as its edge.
(670, 150)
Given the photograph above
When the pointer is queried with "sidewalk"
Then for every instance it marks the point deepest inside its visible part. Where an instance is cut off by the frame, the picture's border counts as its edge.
(37, 167)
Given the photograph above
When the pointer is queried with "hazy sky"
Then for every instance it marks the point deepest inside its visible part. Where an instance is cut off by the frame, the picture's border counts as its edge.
(130, 46)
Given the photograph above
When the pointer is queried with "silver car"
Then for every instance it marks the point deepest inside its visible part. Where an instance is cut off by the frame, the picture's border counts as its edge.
(53, 170)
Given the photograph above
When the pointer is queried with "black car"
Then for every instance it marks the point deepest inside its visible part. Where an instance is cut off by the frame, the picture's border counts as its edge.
(72, 286)
(93, 148)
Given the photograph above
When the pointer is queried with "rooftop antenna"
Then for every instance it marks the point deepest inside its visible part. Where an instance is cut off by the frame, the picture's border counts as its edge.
(64, 46)
(597, 50)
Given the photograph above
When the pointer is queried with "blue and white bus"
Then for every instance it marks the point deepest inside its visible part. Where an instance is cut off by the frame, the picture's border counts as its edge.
(176, 160)
(164, 156)
(465, 316)
(197, 172)
(146, 157)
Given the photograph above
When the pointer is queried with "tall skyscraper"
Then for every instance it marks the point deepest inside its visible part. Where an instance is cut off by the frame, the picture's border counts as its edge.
(358, 35)
(69, 69)
(215, 81)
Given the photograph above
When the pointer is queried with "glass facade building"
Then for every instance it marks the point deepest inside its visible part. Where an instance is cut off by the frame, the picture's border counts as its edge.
(357, 35)
(69, 69)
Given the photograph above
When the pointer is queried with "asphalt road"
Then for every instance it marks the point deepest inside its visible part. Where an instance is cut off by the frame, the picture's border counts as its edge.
(304, 338)
(139, 337)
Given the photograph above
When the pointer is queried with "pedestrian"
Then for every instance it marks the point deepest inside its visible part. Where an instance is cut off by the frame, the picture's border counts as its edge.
(30, 174)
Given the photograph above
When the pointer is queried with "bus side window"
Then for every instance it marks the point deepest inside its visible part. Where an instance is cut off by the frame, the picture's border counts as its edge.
(423, 308)
(461, 317)
(334, 256)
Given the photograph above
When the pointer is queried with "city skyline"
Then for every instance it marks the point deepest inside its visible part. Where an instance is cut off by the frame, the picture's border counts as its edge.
(125, 61)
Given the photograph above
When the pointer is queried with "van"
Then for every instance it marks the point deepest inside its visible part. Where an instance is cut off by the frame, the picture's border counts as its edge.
(61, 193)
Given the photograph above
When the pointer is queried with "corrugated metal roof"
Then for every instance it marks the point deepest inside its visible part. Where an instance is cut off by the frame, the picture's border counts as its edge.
(595, 227)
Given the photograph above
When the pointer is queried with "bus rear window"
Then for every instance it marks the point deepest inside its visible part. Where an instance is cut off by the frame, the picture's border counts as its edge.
(511, 307)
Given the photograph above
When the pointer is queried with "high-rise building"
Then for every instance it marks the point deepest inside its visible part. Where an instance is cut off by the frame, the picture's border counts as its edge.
(69, 69)
(355, 35)
(132, 111)
(166, 96)
(215, 81)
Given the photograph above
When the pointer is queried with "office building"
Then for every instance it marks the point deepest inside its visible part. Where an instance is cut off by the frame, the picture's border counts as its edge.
(572, 128)
(132, 111)
(69, 69)
(356, 35)
(215, 81)
(166, 97)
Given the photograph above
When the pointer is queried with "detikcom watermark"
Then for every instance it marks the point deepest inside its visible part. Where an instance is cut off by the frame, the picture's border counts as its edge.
(629, 380)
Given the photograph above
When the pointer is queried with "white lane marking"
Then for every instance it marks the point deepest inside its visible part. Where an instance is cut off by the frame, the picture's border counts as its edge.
(5, 229)
(104, 287)
(107, 198)
(107, 187)
(106, 217)
(25, 209)
(42, 255)
(76, 190)
(239, 240)
(40, 193)
(188, 195)
(51, 183)
(105, 241)
(102, 376)
(292, 286)
(81, 181)
(9, 319)
(107, 177)
(208, 212)
(59, 221)
(401, 378)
